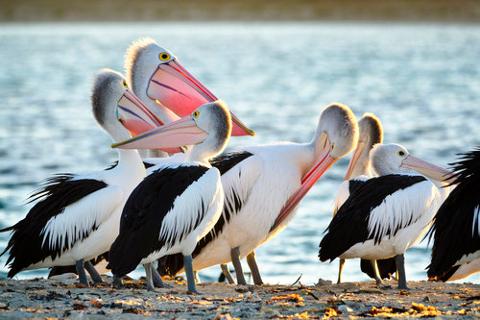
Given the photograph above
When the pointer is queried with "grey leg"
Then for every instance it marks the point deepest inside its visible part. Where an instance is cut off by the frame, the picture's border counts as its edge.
(227, 274)
(252, 263)
(187, 265)
(378, 280)
(148, 274)
(235, 255)
(402, 277)
(157, 280)
(117, 282)
(82, 276)
(341, 264)
(93, 272)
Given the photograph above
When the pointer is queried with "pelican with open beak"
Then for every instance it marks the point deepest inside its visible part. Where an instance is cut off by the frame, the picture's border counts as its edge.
(160, 80)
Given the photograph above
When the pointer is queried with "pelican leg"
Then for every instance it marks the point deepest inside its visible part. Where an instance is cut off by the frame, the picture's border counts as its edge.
(148, 274)
(188, 266)
(235, 255)
(402, 277)
(117, 282)
(378, 280)
(82, 276)
(157, 280)
(226, 273)
(252, 263)
(93, 272)
(341, 264)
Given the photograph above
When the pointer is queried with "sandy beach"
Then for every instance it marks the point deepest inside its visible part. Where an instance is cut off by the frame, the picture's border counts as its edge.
(63, 298)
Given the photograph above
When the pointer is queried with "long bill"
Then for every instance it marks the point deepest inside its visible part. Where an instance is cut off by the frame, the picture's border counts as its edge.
(173, 135)
(136, 117)
(324, 162)
(354, 161)
(427, 169)
(173, 87)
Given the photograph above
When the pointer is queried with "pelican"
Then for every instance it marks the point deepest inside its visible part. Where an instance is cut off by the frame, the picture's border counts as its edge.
(76, 217)
(386, 215)
(168, 89)
(177, 204)
(456, 228)
(360, 169)
(263, 185)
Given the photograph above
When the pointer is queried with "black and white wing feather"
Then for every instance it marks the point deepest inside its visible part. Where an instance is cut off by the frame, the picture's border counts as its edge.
(66, 211)
(378, 208)
(239, 172)
(161, 211)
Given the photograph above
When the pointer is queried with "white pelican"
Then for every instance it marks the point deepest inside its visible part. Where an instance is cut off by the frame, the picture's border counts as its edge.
(76, 217)
(386, 215)
(456, 227)
(177, 204)
(263, 185)
(165, 86)
(360, 169)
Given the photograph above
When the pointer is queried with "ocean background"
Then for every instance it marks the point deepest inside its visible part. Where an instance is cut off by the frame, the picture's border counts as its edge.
(422, 80)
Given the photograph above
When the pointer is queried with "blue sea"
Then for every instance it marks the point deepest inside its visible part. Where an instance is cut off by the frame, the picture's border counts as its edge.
(422, 80)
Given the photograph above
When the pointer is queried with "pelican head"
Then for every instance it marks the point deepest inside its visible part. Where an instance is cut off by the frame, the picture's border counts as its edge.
(208, 128)
(336, 135)
(155, 73)
(371, 133)
(395, 159)
(109, 88)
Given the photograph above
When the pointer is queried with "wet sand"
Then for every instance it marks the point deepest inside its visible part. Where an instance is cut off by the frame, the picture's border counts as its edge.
(65, 299)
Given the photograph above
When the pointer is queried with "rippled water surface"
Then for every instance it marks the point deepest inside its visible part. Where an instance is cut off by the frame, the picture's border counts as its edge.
(423, 81)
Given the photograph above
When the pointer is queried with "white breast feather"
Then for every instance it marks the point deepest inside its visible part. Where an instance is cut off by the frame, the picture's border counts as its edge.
(342, 196)
(80, 217)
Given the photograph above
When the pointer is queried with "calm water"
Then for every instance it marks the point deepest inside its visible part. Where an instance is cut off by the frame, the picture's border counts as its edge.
(423, 81)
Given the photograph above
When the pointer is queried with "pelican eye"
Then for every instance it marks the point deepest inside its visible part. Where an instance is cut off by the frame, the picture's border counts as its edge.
(124, 83)
(196, 114)
(164, 56)
(401, 153)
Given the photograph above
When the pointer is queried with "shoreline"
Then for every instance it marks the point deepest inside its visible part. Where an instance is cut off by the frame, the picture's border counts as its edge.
(63, 298)
(242, 10)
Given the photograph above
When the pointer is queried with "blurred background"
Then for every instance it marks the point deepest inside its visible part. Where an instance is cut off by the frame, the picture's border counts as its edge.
(276, 63)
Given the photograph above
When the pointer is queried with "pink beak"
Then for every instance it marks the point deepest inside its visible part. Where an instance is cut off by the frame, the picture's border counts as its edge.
(427, 169)
(173, 135)
(173, 87)
(136, 117)
(354, 160)
(309, 179)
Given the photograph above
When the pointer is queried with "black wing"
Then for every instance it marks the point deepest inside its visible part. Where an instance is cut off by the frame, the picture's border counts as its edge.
(350, 225)
(172, 264)
(144, 213)
(26, 244)
(456, 225)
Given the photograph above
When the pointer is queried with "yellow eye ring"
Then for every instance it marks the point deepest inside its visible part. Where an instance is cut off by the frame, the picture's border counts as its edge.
(196, 114)
(164, 56)
(124, 83)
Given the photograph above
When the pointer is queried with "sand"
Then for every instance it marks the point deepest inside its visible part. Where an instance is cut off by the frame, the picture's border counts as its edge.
(63, 298)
